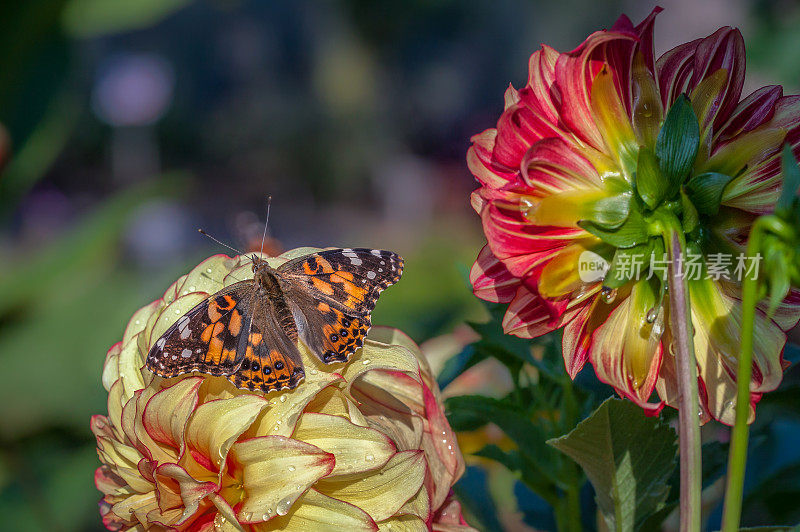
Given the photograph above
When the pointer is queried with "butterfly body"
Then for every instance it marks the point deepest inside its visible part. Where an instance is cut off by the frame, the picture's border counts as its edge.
(249, 331)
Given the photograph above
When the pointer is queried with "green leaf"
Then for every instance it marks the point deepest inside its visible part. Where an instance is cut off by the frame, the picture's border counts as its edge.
(611, 212)
(791, 181)
(677, 143)
(705, 191)
(651, 185)
(628, 458)
(517, 425)
(627, 264)
(629, 234)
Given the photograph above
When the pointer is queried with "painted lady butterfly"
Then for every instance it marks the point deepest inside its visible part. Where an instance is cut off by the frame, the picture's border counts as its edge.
(248, 331)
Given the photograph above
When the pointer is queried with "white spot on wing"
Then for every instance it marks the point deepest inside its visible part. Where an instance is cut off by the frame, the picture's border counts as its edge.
(376, 252)
(370, 275)
(186, 353)
(161, 342)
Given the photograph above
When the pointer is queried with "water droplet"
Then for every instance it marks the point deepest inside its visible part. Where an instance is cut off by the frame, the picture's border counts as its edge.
(192, 288)
(265, 517)
(730, 404)
(278, 422)
(138, 322)
(444, 440)
(313, 372)
(608, 294)
(652, 314)
(283, 506)
(299, 487)
(283, 400)
(369, 458)
(366, 361)
(444, 433)
(209, 270)
(449, 447)
(700, 413)
(292, 468)
(672, 348)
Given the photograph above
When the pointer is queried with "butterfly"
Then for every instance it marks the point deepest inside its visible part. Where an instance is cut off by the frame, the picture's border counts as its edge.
(248, 331)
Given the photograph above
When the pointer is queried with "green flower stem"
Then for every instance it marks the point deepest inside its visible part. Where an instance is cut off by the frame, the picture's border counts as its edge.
(688, 402)
(737, 456)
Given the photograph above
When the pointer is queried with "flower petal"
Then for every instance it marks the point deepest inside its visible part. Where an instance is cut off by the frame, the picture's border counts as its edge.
(717, 320)
(491, 280)
(623, 353)
(267, 463)
(216, 425)
(403, 523)
(383, 494)
(315, 511)
(356, 449)
(176, 488)
(168, 411)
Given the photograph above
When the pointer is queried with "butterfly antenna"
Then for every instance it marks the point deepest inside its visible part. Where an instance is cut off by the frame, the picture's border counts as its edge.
(264, 237)
(218, 242)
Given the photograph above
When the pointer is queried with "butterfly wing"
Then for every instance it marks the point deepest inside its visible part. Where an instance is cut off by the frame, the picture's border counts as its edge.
(208, 338)
(271, 360)
(332, 293)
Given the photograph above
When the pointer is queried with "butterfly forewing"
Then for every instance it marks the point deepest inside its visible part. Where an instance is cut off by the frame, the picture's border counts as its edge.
(333, 293)
(207, 338)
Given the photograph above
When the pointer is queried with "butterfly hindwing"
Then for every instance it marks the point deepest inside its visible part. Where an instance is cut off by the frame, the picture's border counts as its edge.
(206, 338)
(331, 334)
(271, 360)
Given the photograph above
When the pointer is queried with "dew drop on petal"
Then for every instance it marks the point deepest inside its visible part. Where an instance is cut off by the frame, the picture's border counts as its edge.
(209, 270)
(369, 458)
(652, 314)
(283, 506)
(608, 294)
(192, 288)
(313, 372)
(366, 361)
(292, 468)
(283, 400)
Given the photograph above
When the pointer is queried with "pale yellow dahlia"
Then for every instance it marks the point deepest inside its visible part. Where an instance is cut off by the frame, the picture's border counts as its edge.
(361, 446)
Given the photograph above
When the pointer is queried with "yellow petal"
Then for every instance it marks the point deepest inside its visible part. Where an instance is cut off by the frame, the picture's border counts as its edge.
(613, 122)
(357, 449)
(419, 505)
(381, 494)
(191, 491)
(276, 471)
(403, 523)
(216, 425)
(281, 418)
(377, 355)
(743, 152)
(315, 511)
(398, 391)
(168, 411)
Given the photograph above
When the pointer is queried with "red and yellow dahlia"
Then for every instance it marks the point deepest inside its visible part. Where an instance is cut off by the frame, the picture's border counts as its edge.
(604, 146)
(362, 446)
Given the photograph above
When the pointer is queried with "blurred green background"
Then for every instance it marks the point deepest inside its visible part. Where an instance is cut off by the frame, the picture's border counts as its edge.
(129, 124)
